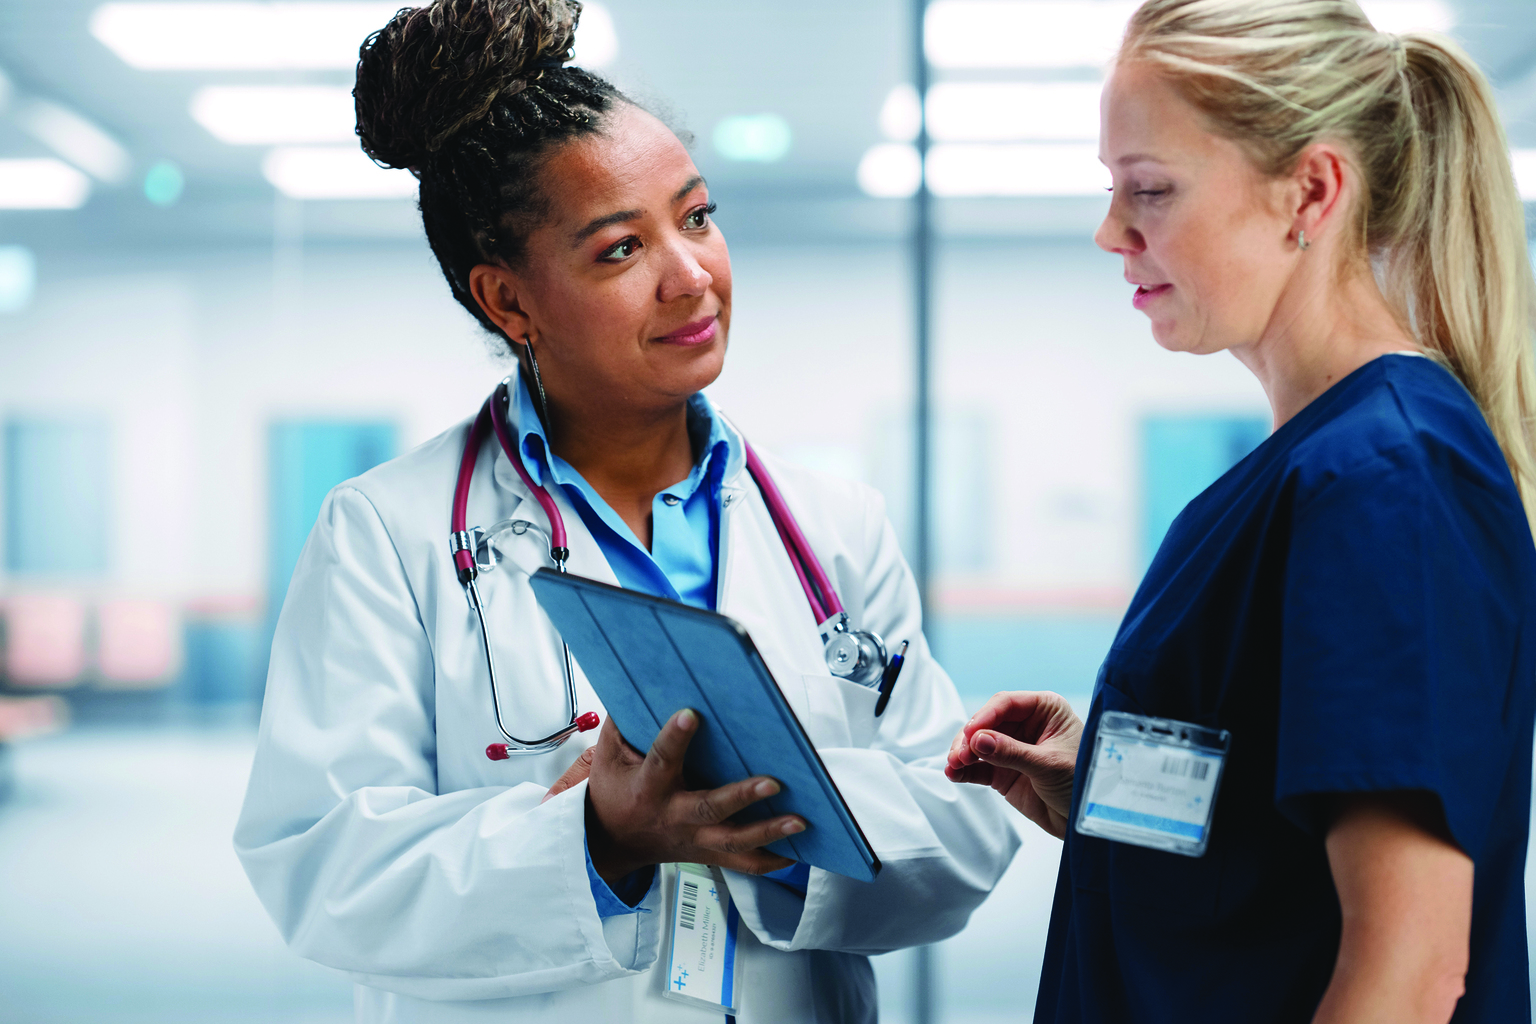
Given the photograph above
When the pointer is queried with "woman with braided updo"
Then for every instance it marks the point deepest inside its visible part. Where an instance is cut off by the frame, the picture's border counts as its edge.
(1335, 645)
(573, 224)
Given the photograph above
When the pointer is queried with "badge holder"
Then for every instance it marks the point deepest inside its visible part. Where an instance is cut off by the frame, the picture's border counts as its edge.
(703, 962)
(1152, 782)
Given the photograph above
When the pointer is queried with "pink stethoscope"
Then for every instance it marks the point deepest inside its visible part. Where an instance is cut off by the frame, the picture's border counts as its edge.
(857, 655)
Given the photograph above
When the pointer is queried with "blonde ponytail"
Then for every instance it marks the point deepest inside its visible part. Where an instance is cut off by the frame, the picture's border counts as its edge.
(1442, 221)
(1461, 268)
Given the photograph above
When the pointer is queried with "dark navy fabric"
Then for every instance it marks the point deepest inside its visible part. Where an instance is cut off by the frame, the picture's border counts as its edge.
(1355, 602)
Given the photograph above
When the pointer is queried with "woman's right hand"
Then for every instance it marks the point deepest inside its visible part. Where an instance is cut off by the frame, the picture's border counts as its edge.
(640, 814)
(1024, 745)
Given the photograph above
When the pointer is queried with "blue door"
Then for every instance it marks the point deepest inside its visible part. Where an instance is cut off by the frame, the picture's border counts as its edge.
(1182, 456)
(306, 459)
(57, 481)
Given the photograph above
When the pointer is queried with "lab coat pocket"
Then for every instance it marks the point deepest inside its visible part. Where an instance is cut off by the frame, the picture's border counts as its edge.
(839, 713)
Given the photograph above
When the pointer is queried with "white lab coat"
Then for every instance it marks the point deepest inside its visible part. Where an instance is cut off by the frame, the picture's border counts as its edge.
(384, 844)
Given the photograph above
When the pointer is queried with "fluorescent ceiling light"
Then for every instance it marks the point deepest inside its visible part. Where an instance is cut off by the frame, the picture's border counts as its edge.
(1013, 111)
(757, 138)
(45, 184)
(956, 169)
(1025, 33)
(18, 278)
(891, 170)
(900, 115)
(1409, 15)
(240, 35)
(276, 114)
(597, 40)
(1086, 33)
(75, 139)
(334, 172)
(1524, 161)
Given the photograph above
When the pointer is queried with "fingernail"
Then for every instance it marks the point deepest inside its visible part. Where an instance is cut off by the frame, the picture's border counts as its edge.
(791, 827)
(686, 719)
(985, 743)
(766, 788)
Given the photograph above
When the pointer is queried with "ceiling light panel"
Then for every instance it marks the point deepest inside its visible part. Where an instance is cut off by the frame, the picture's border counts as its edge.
(45, 184)
(254, 115)
(74, 138)
(1024, 33)
(239, 36)
(961, 170)
(334, 172)
(1524, 161)
(1086, 33)
(1014, 111)
(302, 34)
(1409, 15)
(891, 170)
(597, 39)
(900, 115)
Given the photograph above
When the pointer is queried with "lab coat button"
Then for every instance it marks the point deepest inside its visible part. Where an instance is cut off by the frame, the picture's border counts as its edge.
(671, 499)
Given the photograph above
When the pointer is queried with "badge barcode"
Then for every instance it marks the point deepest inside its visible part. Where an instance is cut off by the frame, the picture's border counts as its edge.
(1195, 769)
(689, 904)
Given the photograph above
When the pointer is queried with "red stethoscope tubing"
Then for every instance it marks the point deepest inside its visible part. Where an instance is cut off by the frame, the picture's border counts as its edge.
(819, 592)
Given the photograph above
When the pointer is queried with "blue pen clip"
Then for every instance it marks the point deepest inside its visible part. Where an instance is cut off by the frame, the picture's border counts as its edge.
(888, 681)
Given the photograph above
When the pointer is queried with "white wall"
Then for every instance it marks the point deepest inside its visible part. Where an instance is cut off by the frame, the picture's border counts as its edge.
(192, 358)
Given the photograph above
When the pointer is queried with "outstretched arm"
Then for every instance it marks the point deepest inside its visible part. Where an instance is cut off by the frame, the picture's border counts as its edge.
(1024, 745)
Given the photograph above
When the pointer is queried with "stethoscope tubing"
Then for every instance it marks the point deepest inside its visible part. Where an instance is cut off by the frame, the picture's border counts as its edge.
(822, 597)
(813, 578)
(491, 419)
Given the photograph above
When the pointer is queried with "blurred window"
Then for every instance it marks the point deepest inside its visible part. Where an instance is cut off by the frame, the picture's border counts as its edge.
(57, 481)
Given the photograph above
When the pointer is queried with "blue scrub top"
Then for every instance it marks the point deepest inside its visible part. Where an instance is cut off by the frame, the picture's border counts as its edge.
(1356, 603)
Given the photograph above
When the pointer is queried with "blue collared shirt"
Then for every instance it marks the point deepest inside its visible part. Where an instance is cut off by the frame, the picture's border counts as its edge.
(682, 563)
(685, 518)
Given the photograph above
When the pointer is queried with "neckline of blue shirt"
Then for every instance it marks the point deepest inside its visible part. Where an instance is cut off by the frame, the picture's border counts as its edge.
(703, 418)
(722, 448)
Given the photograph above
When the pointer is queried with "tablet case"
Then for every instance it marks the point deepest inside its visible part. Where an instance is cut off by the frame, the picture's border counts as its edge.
(648, 658)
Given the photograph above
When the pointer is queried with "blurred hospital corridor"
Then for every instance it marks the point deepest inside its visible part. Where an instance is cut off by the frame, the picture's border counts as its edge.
(214, 308)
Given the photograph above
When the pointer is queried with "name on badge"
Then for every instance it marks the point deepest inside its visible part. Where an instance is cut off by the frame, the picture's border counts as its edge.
(702, 960)
(1153, 782)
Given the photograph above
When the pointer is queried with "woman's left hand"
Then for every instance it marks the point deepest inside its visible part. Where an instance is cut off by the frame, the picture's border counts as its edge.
(1024, 745)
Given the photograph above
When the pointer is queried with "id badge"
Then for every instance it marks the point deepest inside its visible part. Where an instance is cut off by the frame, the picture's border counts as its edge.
(1152, 782)
(702, 965)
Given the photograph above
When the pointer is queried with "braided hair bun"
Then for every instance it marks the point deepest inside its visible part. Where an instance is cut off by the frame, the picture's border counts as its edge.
(471, 95)
(434, 70)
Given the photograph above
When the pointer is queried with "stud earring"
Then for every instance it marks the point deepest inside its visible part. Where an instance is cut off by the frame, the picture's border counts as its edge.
(1301, 240)
(538, 382)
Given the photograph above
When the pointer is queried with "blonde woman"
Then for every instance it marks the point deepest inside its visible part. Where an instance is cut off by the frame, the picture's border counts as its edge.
(1335, 645)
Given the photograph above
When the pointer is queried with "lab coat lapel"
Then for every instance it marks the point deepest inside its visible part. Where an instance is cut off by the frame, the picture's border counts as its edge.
(530, 552)
(759, 589)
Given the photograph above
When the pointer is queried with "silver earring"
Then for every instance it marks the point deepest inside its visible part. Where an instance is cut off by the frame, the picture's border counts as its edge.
(1301, 240)
(538, 382)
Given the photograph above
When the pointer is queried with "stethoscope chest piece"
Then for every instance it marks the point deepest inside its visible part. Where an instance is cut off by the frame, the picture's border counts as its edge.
(856, 655)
